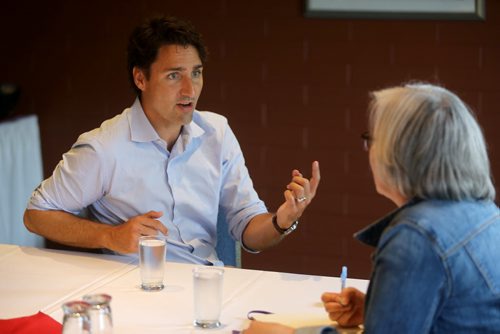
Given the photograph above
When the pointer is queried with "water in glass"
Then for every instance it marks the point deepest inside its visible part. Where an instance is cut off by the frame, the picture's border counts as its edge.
(152, 262)
(207, 286)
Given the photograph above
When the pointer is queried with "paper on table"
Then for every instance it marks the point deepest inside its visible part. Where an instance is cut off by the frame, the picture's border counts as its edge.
(297, 320)
(300, 320)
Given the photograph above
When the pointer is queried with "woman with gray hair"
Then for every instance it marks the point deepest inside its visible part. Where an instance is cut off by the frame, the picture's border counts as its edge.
(436, 264)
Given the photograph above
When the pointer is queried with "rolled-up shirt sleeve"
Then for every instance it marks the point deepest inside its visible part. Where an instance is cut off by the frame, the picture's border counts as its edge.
(238, 199)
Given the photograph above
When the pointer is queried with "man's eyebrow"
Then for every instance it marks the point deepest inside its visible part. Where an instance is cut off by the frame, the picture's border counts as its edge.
(180, 68)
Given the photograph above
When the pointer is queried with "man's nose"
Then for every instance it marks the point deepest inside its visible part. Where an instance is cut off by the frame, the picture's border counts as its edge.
(187, 88)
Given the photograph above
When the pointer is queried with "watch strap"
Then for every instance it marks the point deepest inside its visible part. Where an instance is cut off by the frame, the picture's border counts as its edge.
(284, 231)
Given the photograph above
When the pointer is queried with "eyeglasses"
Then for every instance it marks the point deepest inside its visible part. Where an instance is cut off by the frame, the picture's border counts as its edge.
(367, 140)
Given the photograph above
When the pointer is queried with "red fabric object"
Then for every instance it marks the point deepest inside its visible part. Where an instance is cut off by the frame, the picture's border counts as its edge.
(39, 323)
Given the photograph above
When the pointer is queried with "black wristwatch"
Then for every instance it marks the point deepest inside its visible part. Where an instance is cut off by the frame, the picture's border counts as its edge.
(284, 231)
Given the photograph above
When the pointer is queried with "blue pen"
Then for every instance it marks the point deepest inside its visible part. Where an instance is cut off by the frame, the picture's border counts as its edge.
(343, 278)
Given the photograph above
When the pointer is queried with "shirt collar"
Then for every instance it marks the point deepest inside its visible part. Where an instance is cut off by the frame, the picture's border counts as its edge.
(142, 131)
(191, 130)
(371, 234)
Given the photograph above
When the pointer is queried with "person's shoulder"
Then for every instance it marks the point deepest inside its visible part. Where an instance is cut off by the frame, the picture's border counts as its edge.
(447, 222)
(111, 132)
(209, 119)
(211, 123)
(426, 213)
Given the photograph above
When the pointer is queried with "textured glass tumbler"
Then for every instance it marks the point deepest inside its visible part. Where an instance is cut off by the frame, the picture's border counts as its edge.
(76, 318)
(207, 292)
(152, 251)
(101, 321)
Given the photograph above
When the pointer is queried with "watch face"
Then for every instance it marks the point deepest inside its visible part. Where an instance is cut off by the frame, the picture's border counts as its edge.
(291, 228)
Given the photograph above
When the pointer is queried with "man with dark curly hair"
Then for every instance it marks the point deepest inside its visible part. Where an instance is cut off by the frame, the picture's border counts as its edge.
(162, 166)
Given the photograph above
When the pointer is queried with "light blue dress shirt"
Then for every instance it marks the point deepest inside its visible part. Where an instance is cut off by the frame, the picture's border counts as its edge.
(123, 169)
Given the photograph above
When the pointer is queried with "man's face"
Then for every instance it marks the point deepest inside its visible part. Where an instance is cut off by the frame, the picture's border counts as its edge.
(170, 94)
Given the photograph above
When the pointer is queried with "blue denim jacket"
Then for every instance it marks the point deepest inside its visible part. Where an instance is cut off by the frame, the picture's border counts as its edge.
(436, 269)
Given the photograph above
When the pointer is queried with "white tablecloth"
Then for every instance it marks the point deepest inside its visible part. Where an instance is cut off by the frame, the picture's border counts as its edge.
(33, 279)
(36, 279)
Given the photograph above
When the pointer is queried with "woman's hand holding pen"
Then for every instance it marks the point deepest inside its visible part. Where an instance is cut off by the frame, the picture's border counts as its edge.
(346, 307)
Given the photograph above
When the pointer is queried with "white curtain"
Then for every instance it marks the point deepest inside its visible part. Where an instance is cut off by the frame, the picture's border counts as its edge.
(20, 174)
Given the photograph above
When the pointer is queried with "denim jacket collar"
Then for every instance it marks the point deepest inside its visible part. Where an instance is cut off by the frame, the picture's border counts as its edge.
(371, 234)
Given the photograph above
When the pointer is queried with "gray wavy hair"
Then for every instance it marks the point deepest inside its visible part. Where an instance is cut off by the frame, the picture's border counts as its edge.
(428, 144)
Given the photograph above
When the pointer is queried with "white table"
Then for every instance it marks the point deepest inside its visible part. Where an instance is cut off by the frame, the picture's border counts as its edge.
(34, 279)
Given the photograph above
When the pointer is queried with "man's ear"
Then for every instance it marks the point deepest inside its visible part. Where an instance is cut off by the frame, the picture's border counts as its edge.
(139, 78)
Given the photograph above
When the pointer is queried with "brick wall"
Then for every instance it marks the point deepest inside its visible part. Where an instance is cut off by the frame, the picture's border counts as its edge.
(294, 90)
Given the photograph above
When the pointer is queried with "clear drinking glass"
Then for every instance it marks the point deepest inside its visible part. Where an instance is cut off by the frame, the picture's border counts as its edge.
(101, 321)
(207, 293)
(152, 251)
(76, 318)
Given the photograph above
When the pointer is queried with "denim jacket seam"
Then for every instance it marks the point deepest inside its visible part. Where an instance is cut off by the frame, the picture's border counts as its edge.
(484, 274)
(471, 236)
(477, 263)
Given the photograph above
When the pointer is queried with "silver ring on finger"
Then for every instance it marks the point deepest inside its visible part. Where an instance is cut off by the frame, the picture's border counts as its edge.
(301, 199)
